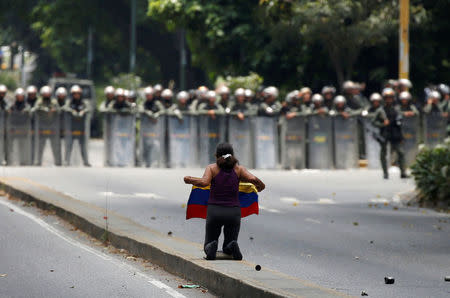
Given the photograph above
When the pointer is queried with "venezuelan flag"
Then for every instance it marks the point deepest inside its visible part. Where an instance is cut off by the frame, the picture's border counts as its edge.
(198, 201)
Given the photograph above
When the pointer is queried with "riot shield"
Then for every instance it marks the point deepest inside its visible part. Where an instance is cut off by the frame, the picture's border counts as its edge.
(122, 139)
(47, 127)
(76, 132)
(320, 145)
(18, 138)
(345, 133)
(373, 148)
(2, 136)
(410, 129)
(240, 136)
(293, 138)
(211, 133)
(152, 141)
(434, 129)
(265, 138)
(182, 141)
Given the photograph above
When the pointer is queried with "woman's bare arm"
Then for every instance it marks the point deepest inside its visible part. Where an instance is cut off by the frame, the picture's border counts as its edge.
(246, 176)
(200, 182)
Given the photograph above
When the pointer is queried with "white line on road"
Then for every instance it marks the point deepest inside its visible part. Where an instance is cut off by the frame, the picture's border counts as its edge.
(320, 201)
(269, 209)
(101, 255)
(308, 219)
(136, 194)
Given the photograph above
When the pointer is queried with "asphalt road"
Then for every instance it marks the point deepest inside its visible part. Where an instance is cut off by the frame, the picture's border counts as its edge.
(340, 229)
(40, 256)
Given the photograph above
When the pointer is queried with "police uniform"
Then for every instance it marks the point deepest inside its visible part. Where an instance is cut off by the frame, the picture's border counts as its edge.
(48, 105)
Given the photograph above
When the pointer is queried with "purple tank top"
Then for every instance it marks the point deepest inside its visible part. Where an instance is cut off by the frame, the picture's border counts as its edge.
(225, 189)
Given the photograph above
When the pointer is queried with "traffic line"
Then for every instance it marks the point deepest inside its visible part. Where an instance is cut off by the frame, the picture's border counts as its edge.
(308, 219)
(295, 201)
(136, 195)
(101, 255)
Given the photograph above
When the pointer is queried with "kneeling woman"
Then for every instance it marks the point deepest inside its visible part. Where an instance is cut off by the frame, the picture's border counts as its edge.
(223, 205)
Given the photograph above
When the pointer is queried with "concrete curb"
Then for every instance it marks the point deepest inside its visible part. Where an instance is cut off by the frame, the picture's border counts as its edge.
(178, 256)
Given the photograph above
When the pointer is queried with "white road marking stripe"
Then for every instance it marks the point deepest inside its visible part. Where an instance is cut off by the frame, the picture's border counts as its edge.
(289, 200)
(379, 200)
(101, 255)
(137, 195)
(322, 201)
(312, 220)
(326, 201)
(268, 209)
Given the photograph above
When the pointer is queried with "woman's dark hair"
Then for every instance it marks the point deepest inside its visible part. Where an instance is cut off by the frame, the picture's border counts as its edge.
(229, 162)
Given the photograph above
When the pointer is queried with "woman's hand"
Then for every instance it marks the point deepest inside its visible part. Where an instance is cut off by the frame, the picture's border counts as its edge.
(187, 180)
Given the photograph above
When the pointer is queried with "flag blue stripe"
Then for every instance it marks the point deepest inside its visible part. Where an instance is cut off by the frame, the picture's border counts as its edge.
(200, 196)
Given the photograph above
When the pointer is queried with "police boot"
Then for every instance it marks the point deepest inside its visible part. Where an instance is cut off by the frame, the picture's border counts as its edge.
(385, 175)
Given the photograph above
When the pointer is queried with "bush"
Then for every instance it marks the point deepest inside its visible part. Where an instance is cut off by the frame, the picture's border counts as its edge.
(9, 79)
(252, 81)
(127, 80)
(431, 172)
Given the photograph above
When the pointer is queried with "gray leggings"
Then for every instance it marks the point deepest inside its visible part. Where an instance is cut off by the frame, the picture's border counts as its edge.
(228, 217)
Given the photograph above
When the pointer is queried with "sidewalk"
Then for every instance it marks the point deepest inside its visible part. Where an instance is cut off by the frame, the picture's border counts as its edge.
(223, 277)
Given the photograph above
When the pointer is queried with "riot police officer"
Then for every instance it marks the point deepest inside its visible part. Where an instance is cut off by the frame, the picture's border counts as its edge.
(109, 97)
(375, 111)
(19, 103)
(150, 107)
(181, 107)
(3, 91)
(391, 133)
(157, 90)
(131, 97)
(294, 105)
(120, 104)
(404, 85)
(241, 107)
(77, 109)
(305, 96)
(249, 95)
(200, 97)
(166, 98)
(31, 95)
(407, 109)
(270, 107)
(61, 95)
(48, 111)
(340, 108)
(225, 102)
(328, 93)
(318, 108)
(433, 104)
(211, 107)
(19, 130)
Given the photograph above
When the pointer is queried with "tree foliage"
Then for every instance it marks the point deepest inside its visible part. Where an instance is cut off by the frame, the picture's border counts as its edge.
(288, 42)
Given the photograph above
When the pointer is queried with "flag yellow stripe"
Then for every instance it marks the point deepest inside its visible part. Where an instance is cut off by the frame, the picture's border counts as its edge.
(243, 187)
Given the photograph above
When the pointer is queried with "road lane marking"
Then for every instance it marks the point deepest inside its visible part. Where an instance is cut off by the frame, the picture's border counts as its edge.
(308, 219)
(269, 209)
(320, 201)
(289, 200)
(136, 195)
(379, 200)
(101, 255)
(168, 289)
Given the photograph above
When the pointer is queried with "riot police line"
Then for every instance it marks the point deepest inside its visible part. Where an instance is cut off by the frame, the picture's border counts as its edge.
(29, 125)
(310, 141)
(320, 131)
